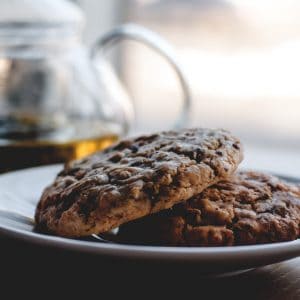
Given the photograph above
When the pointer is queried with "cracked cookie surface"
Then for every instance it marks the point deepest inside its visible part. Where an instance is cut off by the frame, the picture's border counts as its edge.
(134, 178)
(250, 208)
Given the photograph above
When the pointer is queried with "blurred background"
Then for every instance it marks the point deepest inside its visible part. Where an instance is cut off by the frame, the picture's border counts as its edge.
(241, 58)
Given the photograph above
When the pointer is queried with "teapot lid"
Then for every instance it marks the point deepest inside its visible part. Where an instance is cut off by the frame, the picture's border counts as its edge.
(32, 17)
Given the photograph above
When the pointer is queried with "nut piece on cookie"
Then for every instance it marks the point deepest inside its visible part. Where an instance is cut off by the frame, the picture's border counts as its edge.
(250, 208)
(134, 178)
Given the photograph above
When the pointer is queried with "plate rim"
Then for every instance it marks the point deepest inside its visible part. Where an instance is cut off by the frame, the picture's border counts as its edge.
(141, 250)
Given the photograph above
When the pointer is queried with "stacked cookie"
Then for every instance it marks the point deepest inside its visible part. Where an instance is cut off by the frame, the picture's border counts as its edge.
(172, 188)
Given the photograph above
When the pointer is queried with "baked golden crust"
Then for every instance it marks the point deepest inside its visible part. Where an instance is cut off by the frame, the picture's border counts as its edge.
(250, 208)
(134, 178)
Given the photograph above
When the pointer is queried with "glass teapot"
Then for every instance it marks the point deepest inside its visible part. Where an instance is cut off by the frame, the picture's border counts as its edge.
(59, 100)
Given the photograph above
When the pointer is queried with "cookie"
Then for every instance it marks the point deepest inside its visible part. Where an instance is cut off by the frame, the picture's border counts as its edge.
(250, 208)
(134, 178)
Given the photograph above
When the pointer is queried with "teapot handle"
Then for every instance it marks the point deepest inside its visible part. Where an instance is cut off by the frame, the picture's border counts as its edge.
(154, 41)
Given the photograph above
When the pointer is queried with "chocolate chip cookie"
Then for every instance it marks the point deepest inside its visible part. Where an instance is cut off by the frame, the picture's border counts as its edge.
(250, 208)
(135, 178)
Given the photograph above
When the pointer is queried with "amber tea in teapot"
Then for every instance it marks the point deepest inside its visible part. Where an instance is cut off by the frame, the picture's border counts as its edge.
(34, 148)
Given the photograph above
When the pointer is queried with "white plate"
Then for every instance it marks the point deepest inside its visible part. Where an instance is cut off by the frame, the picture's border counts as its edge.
(20, 191)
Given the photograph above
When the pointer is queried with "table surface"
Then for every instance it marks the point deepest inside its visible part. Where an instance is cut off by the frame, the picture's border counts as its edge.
(58, 271)
(81, 274)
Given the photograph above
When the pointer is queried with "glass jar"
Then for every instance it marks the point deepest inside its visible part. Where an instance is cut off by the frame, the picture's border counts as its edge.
(58, 99)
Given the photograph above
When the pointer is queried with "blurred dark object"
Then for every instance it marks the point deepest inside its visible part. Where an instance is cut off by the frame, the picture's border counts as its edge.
(56, 273)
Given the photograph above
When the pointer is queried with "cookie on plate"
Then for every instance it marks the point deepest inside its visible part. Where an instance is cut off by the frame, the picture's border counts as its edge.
(134, 178)
(250, 208)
